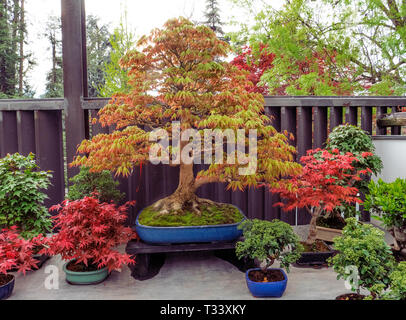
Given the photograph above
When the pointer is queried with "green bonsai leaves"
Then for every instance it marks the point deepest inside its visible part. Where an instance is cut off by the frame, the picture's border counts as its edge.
(363, 248)
(269, 241)
(21, 196)
(86, 182)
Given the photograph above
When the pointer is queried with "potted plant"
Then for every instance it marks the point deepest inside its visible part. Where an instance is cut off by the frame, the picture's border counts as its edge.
(364, 259)
(349, 138)
(15, 253)
(325, 182)
(267, 242)
(387, 202)
(22, 197)
(397, 287)
(86, 183)
(183, 94)
(88, 233)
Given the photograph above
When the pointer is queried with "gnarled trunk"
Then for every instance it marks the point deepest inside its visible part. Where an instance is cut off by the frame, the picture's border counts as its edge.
(311, 238)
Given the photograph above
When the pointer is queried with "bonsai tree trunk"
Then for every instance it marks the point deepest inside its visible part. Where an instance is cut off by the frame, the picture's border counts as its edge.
(311, 238)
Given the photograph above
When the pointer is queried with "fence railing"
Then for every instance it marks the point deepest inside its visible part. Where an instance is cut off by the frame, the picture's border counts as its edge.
(38, 126)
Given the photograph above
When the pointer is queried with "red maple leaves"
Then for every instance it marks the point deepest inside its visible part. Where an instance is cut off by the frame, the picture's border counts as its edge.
(325, 182)
(16, 252)
(88, 232)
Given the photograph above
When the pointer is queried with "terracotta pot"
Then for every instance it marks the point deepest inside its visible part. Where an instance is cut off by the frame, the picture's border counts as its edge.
(328, 234)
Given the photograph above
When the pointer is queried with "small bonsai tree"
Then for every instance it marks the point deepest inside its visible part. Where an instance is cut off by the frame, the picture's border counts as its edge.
(397, 290)
(349, 138)
(179, 81)
(268, 241)
(363, 258)
(89, 231)
(22, 196)
(16, 253)
(387, 201)
(85, 183)
(326, 181)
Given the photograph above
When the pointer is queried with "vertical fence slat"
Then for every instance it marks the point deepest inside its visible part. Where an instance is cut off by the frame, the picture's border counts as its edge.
(274, 113)
(320, 127)
(255, 203)
(366, 119)
(8, 132)
(26, 132)
(336, 117)
(396, 130)
(304, 134)
(49, 152)
(351, 115)
(380, 111)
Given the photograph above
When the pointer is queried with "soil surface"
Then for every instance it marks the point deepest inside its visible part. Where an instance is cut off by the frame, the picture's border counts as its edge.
(214, 214)
(5, 278)
(268, 276)
(398, 256)
(350, 296)
(318, 246)
(80, 267)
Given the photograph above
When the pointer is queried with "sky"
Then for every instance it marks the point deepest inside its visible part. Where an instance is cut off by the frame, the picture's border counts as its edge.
(143, 15)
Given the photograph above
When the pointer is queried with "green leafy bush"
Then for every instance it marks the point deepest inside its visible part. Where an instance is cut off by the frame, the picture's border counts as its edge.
(349, 138)
(268, 241)
(387, 201)
(397, 283)
(86, 182)
(362, 247)
(21, 196)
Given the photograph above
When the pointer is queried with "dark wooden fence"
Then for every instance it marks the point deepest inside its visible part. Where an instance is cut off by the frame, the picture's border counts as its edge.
(38, 126)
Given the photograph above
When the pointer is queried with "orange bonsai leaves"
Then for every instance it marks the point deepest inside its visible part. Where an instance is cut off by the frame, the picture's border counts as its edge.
(179, 80)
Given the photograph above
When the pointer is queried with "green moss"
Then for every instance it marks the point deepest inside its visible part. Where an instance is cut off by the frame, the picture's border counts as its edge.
(210, 215)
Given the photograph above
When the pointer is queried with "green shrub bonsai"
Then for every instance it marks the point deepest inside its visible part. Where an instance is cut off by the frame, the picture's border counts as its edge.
(22, 196)
(387, 201)
(86, 182)
(364, 259)
(397, 289)
(267, 241)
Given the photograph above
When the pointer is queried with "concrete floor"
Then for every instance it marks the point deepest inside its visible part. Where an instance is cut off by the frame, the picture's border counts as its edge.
(184, 276)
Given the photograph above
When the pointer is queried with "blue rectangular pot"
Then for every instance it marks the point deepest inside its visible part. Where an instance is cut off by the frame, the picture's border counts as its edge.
(7, 289)
(209, 233)
(267, 289)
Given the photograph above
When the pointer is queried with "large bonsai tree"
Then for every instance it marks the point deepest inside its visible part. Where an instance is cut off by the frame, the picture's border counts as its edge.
(179, 77)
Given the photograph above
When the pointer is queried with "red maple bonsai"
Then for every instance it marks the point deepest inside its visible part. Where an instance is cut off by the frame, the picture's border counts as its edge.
(179, 75)
(326, 182)
(17, 253)
(88, 232)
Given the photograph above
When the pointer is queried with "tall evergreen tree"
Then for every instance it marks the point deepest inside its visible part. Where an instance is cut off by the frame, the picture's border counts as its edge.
(212, 15)
(98, 53)
(54, 85)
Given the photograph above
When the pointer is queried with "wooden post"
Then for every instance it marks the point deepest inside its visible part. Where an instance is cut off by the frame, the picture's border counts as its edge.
(73, 57)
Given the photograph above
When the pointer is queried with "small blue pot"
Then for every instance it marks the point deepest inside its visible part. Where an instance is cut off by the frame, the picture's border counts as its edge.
(267, 289)
(187, 234)
(7, 289)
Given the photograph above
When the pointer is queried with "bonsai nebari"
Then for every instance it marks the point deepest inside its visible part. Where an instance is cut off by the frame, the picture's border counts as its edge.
(327, 180)
(179, 80)
(267, 241)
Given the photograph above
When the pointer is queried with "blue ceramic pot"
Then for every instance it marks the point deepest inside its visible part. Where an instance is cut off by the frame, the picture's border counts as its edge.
(7, 289)
(267, 289)
(209, 233)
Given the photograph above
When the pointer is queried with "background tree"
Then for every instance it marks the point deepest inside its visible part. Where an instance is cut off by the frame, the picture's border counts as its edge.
(212, 15)
(54, 84)
(15, 62)
(331, 46)
(98, 52)
(179, 75)
(115, 77)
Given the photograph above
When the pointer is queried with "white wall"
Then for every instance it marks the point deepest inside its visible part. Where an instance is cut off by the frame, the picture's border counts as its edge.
(392, 151)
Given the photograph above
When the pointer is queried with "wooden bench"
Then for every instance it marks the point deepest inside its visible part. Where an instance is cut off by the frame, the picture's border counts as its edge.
(151, 257)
